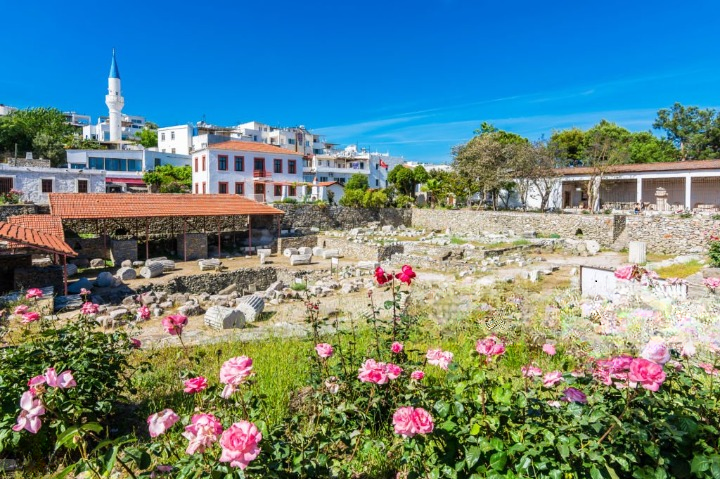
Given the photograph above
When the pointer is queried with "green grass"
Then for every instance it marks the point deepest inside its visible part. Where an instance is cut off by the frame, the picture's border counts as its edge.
(298, 286)
(521, 242)
(456, 240)
(680, 270)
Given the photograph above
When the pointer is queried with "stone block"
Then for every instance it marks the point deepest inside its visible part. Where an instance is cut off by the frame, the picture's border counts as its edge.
(126, 273)
(219, 317)
(126, 264)
(209, 264)
(317, 251)
(250, 306)
(104, 280)
(592, 247)
(331, 253)
(152, 270)
(298, 259)
(97, 263)
(262, 257)
(265, 251)
(288, 252)
(71, 269)
(637, 252)
(305, 250)
(368, 265)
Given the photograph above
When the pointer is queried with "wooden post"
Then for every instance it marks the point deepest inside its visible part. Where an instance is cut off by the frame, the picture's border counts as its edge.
(219, 240)
(279, 227)
(184, 240)
(65, 273)
(249, 234)
(147, 240)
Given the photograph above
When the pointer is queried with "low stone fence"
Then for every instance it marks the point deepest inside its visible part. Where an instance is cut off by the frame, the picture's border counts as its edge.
(214, 282)
(360, 251)
(14, 210)
(339, 217)
(297, 242)
(672, 235)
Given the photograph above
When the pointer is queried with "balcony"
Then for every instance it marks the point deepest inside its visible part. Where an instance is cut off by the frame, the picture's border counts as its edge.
(262, 174)
(330, 169)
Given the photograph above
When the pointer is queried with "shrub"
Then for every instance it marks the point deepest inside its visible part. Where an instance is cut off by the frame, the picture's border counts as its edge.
(404, 201)
(714, 253)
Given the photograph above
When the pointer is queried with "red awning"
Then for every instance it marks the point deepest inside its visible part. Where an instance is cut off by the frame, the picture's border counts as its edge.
(127, 181)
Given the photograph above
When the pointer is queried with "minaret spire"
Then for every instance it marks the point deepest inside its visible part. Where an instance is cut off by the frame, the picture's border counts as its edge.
(115, 101)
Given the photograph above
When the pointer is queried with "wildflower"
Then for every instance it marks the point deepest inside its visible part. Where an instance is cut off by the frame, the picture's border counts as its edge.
(174, 324)
(160, 422)
(574, 395)
(89, 308)
(711, 283)
(21, 309)
(656, 351)
(143, 313)
(409, 421)
(195, 385)
(549, 349)
(202, 432)
(440, 358)
(30, 317)
(64, 380)
(234, 372)
(406, 274)
(417, 375)
(551, 379)
(531, 371)
(490, 347)
(381, 276)
(240, 444)
(324, 350)
(31, 410)
(33, 293)
(396, 347)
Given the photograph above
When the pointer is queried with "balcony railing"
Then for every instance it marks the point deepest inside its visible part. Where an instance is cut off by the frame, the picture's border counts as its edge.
(262, 174)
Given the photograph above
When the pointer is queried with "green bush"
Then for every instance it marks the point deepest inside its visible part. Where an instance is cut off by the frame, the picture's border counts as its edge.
(714, 253)
(404, 201)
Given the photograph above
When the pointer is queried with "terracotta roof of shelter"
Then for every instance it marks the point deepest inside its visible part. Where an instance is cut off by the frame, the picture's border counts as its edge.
(152, 205)
(21, 236)
(251, 146)
(645, 167)
(46, 223)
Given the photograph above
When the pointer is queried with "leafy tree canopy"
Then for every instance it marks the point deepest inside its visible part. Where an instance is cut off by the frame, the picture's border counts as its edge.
(147, 138)
(40, 130)
(358, 181)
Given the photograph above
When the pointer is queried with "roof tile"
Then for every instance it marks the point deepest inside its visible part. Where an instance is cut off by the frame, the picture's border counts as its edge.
(251, 146)
(33, 238)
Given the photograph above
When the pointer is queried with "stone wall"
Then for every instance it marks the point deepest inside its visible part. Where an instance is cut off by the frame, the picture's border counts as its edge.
(121, 250)
(339, 217)
(8, 263)
(39, 277)
(360, 251)
(602, 228)
(298, 242)
(672, 235)
(14, 210)
(197, 246)
(214, 282)
(89, 248)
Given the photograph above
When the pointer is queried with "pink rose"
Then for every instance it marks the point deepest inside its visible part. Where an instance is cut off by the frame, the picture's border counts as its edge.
(551, 379)
(160, 422)
(409, 421)
(490, 346)
(406, 274)
(332, 385)
(381, 276)
(711, 283)
(393, 371)
(34, 293)
(174, 324)
(555, 404)
(64, 380)
(136, 343)
(36, 381)
(195, 385)
(709, 368)
(143, 313)
(688, 350)
(21, 309)
(31, 410)
(531, 371)
(234, 372)
(85, 292)
(396, 347)
(373, 372)
(30, 317)
(202, 432)
(648, 374)
(574, 395)
(417, 375)
(240, 444)
(549, 349)
(656, 351)
(626, 272)
(89, 308)
(324, 350)
(440, 358)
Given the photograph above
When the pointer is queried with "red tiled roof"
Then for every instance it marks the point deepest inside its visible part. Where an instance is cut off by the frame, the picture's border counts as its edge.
(252, 146)
(34, 239)
(127, 181)
(328, 183)
(645, 167)
(152, 205)
(46, 223)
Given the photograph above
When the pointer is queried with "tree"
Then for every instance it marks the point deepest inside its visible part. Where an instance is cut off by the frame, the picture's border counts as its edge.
(147, 138)
(352, 198)
(40, 130)
(420, 175)
(603, 150)
(545, 176)
(434, 188)
(696, 132)
(645, 147)
(358, 181)
(404, 180)
(570, 145)
(170, 179)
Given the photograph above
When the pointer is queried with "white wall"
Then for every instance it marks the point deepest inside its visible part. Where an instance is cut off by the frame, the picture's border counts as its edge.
(179, 137)
(29, 181)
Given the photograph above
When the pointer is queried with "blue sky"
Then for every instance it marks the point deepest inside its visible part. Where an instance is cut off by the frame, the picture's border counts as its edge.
(411, 78)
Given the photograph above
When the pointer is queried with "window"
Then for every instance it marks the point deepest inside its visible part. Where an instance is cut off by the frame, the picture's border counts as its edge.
(162, 136)
(239, 188)
(278, 165)
(277, 190)
(172, 150)
(172, 136)
(259, 164)
(203, 188)
(6, 184)
(82, 186)
(377, 183)
(196, 187)
(377, 166)
(222, 162)
(323, 178)
(292, 191)
(158, 162)
(46, 186)
(203, 162)
(292, 167)
(96, 163)
(291, 141)
(239, 163)
(196, 164)
(223, 187)
(136, 165)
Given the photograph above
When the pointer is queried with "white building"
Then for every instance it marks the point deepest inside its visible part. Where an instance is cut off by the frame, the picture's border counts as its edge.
(130, 126)
(340, 165)
(6, 110)
(258, 171)
(76, 119)
(325, 191)
(35, 183)
(429, 166)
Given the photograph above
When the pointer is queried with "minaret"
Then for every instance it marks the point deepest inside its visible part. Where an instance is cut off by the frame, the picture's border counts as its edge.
(115, 101)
